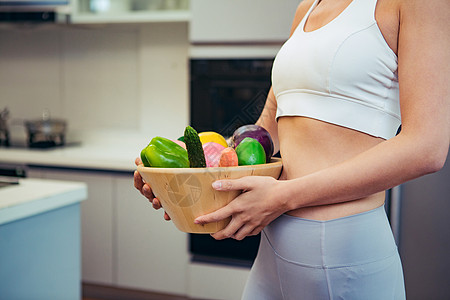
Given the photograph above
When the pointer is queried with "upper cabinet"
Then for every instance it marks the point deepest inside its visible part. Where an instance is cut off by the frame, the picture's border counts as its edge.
(129, 11)
(241, 21)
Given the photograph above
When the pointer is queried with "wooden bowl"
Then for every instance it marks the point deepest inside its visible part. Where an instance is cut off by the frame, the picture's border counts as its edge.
(186, 193)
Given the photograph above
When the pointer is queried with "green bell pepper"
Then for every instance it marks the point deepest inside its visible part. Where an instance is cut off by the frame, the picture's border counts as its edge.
(250, 152)
(164, 153)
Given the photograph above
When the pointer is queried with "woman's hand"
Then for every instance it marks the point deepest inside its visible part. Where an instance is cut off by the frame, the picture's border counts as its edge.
(146, 190)
(257, 206)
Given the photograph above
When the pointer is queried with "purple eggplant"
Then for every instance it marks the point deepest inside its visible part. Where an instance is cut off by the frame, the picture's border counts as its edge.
(257, 132)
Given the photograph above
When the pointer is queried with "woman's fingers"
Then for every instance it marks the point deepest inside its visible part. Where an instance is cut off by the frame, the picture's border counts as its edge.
(245, 231)
(138, 161)
(236, 223)
(251, 211)
(256, 230)
(146, 190)
(138, 182)
(228, 231)
(231, 184)
(156, 203)
(238, 230)
(143, 187)
(216, 216)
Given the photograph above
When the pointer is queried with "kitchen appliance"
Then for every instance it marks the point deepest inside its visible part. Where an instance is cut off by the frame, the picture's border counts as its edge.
(35, 10)
(228, 93)
(46, 132)
(4, 130)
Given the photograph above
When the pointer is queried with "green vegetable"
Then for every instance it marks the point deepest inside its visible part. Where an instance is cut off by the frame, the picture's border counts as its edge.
(144, 158)
(194, 148)
(250, 152)
(164, 153)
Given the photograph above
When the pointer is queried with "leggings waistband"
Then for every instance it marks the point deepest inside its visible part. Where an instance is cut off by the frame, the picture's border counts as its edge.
(357, 239)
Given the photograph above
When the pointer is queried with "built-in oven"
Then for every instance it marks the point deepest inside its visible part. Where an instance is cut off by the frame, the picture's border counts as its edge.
(225, 94)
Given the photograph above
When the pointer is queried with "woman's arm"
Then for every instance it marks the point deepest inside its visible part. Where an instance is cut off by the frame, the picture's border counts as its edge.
(267, 119)
(420, 148)
(422, 145)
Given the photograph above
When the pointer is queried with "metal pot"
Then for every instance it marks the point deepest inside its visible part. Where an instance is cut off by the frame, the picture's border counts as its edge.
(4, 132)
(46, 132)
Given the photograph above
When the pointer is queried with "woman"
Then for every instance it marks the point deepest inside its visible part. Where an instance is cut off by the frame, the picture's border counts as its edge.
(339, 86)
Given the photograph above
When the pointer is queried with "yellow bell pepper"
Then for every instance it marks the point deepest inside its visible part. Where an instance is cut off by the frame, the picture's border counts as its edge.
(211, 136)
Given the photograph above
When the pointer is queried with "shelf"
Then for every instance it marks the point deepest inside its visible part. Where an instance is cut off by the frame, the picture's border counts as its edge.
(132, 17)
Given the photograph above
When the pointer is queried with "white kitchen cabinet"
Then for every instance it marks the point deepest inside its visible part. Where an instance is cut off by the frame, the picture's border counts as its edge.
(129, 11)
(125, 242)
(96, 221)
(246, 21)
(151, 253)
(206, 281)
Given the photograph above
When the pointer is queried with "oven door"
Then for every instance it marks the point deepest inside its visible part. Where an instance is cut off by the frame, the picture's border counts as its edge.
(226, 94)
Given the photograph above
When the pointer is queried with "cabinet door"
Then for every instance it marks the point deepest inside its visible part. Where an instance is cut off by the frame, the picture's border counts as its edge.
(152, 254)
(241, 20)
(96, 222)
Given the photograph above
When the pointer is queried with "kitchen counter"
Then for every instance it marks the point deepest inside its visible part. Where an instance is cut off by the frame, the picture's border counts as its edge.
(40, 239)
(114, 151)
(34, 196)
(82, 156)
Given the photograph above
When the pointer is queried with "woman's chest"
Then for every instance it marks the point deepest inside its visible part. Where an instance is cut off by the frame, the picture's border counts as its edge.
(386, 13)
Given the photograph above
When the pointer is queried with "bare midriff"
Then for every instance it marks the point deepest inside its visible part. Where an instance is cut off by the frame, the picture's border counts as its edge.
(308, 145)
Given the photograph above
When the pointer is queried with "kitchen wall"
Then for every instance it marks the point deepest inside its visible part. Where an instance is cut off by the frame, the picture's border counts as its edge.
(102, 77)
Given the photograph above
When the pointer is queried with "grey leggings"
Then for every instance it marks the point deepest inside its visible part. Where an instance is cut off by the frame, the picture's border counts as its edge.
(349, 258)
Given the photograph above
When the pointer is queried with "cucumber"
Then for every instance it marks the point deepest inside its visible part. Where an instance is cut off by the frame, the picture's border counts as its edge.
(194, 148)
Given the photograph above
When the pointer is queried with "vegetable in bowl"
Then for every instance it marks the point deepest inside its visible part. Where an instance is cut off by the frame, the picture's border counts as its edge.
(258, 133)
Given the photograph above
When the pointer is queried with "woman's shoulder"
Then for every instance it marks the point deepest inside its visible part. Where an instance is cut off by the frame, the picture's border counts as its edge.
(304, 5)
(303, 8)
(300, 13)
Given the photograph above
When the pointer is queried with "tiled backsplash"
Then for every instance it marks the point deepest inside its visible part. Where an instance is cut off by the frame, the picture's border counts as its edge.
(124, 77)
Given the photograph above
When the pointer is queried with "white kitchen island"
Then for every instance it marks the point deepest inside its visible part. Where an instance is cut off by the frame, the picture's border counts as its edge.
(40, 239)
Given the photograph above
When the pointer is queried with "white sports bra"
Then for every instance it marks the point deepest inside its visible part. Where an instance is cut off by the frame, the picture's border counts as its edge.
(343, 73)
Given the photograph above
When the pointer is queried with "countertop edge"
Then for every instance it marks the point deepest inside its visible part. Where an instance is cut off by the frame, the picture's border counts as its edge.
(72, 193)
